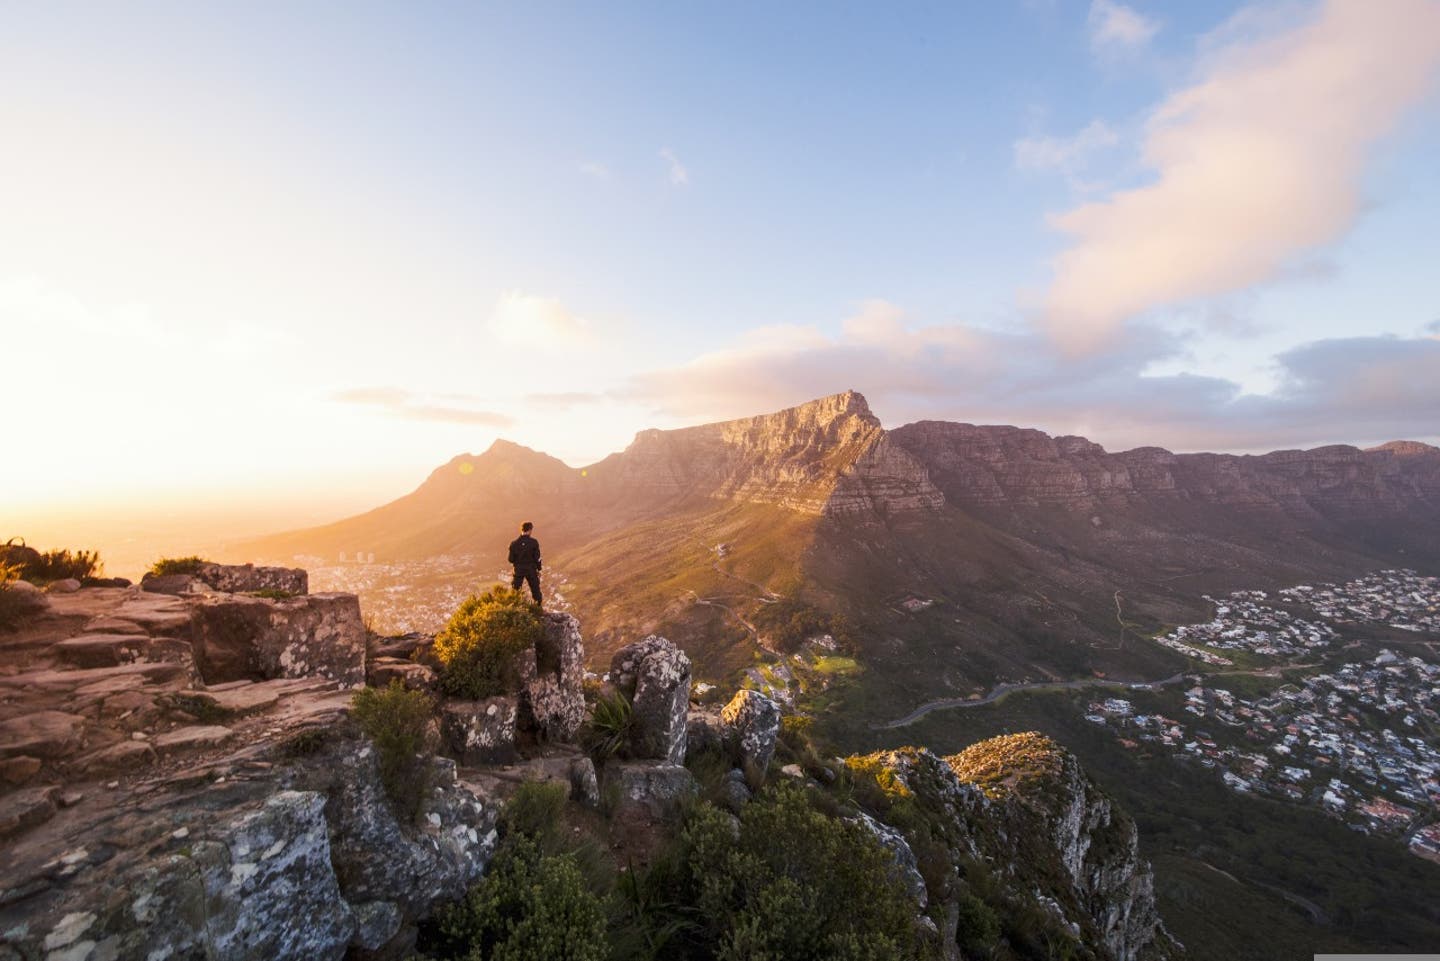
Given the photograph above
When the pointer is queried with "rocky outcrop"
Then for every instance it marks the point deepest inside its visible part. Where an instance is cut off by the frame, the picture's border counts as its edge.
(654, 675)
(480, 732)
(237, 637)
(230, 579)
(750, 726)
(554, 698)
(1022, 804)
(994, 465)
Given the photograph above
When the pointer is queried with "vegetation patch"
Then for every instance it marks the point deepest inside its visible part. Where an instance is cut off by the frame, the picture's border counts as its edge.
(789, 623)
(178, 565)
(609, 726)
(273, 593)
(12, 605)
(478, 647)
(45, 567)
(401, 723)
(1008, 762)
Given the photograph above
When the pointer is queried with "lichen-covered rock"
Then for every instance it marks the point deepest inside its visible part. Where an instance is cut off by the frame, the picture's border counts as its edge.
(415, 677)
(750, 726)
(702, 732)
(174, 584)
(480, 732)
(252, 638)
(655, 675)
(238, 578)
(650, 789)
(554, 697)
(734, 792)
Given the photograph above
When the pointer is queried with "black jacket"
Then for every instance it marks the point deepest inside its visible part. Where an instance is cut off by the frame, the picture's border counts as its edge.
(525, 553)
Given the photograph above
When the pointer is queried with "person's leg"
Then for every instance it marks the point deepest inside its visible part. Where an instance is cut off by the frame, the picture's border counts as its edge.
(533, 578)
(516, 581)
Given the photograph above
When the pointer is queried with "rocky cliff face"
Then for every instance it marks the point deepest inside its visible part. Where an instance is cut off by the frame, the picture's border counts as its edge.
(829, 456)
(1022, 806)
(1010, 466)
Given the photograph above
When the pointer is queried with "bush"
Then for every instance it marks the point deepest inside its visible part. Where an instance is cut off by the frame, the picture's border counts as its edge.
(44, 567)
(477, 649)
(978, 929)
(794, 884)
(399, 721)
(534, 810)
(612, 721)
(178, 565)
(529, 907)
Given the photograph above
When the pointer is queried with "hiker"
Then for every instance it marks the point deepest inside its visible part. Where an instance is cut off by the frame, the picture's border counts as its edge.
(525, 556)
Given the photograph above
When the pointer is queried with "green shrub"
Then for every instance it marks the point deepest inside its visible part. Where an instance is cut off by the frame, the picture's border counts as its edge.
(178, 565)
(477, 649)
(608, 730)
(795, 884)
(273, 593)
(399, 721)
(529, 907)
(534, 810)
(978, 930)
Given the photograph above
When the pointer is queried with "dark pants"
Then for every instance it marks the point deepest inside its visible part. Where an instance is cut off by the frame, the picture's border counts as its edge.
(527, 576)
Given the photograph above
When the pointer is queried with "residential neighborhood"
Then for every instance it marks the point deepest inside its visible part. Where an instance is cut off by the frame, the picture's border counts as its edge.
(1359, 737)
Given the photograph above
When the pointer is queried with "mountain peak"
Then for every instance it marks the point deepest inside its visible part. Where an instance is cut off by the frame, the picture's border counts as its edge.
(1403, 448)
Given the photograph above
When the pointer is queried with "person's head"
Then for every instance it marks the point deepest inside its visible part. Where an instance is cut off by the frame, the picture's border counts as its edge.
(526, 527)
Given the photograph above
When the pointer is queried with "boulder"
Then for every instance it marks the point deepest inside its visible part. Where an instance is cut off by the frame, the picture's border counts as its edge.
(18, 555)
(66, 585)
(404, 647)
(655, 675)
(19, 769)
(480, 732)
(750, 725)
(29, 598)
(734, 793)
(651, 789)
(702, 732)
(554, 697)
(906, 868)
(316, 635)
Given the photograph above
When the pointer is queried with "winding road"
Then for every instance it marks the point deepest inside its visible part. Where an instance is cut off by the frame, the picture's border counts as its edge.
(1001, 690)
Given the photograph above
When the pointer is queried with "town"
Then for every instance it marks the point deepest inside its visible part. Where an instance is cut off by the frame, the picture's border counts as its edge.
(1359, 738)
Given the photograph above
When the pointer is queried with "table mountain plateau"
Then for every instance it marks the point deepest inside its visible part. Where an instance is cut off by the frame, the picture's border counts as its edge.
(1043, 556)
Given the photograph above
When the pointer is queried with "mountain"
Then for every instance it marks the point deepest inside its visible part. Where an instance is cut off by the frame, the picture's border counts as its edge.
(1042, 557)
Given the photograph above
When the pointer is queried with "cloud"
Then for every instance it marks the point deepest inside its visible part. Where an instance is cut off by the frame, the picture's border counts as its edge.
(1065, 155)
(679, 176)
(1352, 390)
(1257, 163)
(597, 170)
(398, 402)
(534, 321)
(1117, 29)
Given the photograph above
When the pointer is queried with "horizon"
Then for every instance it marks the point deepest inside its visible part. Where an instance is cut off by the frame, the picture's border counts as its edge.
(293, 294)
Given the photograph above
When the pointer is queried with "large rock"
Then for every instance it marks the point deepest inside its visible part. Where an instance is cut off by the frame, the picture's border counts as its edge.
(251, 638)
(22, 810)
(27, 598)
(907, 868)
(655, 675)
(654, 790)
(750, 726)
(554, 698)
(480, 732)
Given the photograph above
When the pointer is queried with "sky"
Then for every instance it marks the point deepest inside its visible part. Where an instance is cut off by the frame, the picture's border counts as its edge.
(286, 258)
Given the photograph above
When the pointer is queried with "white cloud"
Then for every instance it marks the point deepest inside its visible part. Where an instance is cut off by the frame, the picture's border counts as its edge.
(1066, 155)
(1115, 28)
(542, 322)
(398, 402)
(1257, 163)
(679, 176)
(597, 170)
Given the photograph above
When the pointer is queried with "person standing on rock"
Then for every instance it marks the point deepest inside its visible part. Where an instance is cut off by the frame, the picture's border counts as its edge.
(525, 557)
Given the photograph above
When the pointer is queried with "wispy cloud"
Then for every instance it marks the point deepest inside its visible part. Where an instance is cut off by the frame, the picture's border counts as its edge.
(562, 401)
(398, 402)
(1257, 163)
(597, 170)
(1115, 29)
(679, 176)
(1066, 155)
